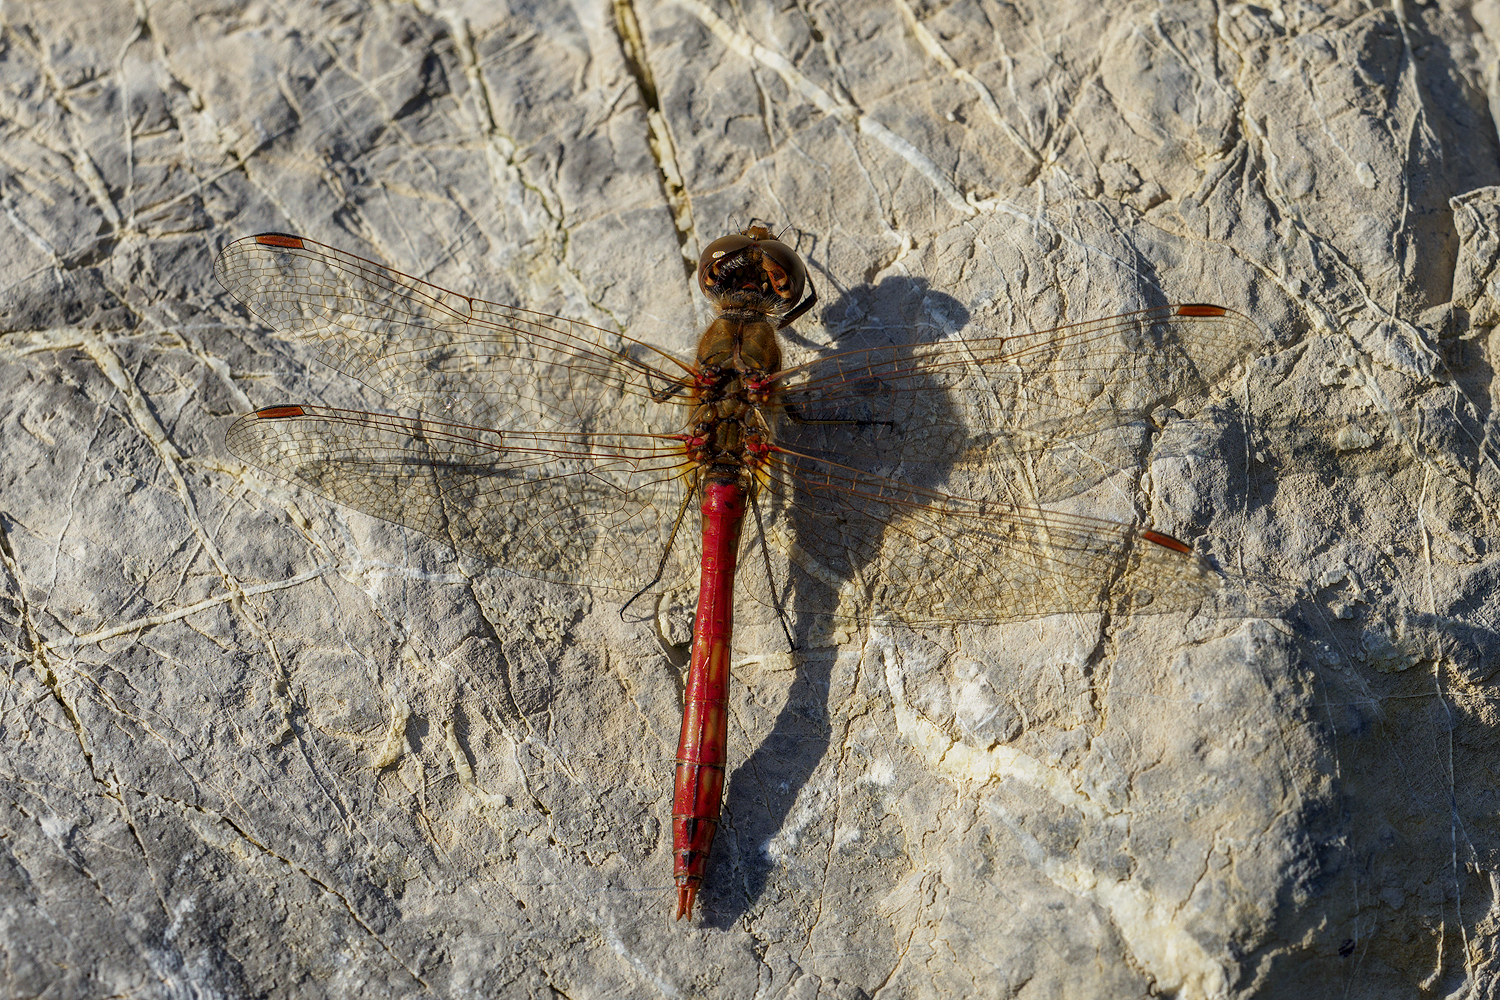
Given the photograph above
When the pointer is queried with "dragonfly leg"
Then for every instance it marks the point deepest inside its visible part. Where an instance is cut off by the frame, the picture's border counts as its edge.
(765, 553)
(666, 552)
(793, 412)
(801, 307)
(676, 388)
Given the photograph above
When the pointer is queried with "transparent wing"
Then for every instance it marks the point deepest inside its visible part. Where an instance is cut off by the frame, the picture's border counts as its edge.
(1075, 401)
(925, 557)
(597, 509)
(457, 357)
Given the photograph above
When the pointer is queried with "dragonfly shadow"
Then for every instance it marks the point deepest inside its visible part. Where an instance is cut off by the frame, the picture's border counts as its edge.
(899, 310)
(917, 483)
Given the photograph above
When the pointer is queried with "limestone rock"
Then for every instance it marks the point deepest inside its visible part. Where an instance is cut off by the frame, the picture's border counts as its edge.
(256, 744)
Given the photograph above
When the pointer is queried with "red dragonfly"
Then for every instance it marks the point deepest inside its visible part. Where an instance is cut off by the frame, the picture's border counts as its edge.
(896, 481)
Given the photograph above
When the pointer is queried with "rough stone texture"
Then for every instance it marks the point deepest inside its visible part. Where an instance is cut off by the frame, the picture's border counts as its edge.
(258, 745)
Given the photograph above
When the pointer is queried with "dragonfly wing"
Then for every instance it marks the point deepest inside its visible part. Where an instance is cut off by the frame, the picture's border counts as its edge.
(597, 510)
(925, 557)
(429, 348)
(1074, 402)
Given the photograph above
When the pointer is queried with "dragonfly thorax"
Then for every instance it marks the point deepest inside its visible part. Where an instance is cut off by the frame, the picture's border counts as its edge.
(729, 437)
(737, 394)
(741, 341)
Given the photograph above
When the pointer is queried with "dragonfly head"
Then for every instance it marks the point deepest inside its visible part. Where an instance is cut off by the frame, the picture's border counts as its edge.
(752, 269)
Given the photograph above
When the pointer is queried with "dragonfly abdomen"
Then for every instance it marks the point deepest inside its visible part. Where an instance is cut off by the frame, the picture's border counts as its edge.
(701, 750)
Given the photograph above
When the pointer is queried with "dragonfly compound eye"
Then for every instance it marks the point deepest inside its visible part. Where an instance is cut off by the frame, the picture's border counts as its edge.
(785, 269)
(721, 251)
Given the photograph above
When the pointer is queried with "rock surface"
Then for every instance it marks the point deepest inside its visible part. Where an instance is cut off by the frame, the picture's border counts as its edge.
(255, 744)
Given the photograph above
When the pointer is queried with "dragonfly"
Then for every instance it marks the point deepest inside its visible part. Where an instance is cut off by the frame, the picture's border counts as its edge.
(918, 483)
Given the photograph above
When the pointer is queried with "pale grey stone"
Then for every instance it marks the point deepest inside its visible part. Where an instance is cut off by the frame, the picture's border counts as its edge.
(256, 744)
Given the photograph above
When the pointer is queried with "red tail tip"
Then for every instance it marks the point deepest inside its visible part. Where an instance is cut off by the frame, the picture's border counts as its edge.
(1201, 309)
(685, 896)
